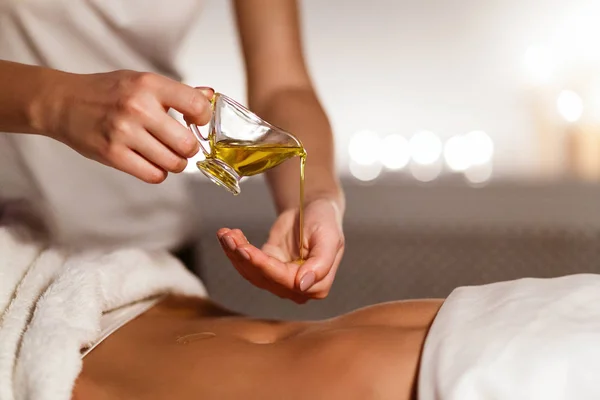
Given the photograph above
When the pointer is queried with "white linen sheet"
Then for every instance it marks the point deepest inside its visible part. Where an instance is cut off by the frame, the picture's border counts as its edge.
(529, 339)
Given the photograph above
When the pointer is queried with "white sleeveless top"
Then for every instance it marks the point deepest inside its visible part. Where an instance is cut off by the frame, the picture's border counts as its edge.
(90, 204)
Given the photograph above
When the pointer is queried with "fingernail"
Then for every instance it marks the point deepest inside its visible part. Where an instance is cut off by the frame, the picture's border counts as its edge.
(244, 253)
(207, 91)
(307, 281)
(230, 243)
(221, 233)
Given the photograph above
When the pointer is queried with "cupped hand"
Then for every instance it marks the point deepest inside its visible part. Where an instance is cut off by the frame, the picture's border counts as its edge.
(120, 119)
(275, 267)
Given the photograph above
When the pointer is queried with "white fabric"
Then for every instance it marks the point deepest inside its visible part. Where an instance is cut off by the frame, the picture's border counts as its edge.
(530, 339)
(90, 204)
(111, 321)
(51, 306)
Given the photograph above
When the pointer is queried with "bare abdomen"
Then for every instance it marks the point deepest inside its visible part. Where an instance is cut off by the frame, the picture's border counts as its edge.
(189, 349)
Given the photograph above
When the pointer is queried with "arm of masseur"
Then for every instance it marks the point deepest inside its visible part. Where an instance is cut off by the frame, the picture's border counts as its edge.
(280, 91)
(117, 118)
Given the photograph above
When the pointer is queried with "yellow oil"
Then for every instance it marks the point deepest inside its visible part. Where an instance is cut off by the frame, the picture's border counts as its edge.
(301, 212)
(193, 337)
(250, 158)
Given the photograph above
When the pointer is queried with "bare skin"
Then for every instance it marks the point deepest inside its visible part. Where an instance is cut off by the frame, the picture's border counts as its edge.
(120, 119)
(371, 353)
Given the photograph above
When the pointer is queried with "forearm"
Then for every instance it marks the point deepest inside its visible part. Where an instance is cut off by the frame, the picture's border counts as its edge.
(280, 91)
(298, 111)
(23, 88)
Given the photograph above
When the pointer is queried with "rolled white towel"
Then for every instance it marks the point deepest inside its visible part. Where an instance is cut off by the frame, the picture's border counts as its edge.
(529, 339)
(52, 302)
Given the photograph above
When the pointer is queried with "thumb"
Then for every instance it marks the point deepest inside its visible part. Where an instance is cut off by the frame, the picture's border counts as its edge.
(323, 249)
(209, 93)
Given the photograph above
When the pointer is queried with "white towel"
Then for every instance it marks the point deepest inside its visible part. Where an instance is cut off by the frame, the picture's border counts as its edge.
(52, 300)
(529, 339)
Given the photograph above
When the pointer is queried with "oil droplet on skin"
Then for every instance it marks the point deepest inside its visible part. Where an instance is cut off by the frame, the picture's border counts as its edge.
(195, 337)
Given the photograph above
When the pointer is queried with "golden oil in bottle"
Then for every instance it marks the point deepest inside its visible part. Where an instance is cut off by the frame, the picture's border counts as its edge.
(249, 159)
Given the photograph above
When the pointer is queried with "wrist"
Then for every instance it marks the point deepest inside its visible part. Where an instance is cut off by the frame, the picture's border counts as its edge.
(48, 105)
(332, 193)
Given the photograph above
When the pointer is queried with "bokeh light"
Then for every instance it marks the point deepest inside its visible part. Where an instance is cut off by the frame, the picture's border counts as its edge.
(395, 152)
(456, 153)
(479, 174)
(426, 172)
(570, 105)
(461, 152)
(425, 147)
(364, 147)
(364, 172)
(481, 147)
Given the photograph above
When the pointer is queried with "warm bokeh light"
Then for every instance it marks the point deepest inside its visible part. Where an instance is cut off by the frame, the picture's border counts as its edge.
(395, 152)
(426, 172)
(456, 153)
(481, 147)
(425, 147)
(364, 172)
(464, 151)
(479, 174)
(364, 147)
(570, 105)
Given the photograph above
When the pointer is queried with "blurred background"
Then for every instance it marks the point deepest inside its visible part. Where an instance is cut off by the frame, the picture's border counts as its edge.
(468, 139)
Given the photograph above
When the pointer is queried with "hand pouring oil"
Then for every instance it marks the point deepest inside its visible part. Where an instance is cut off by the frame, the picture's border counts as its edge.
(251, 158)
